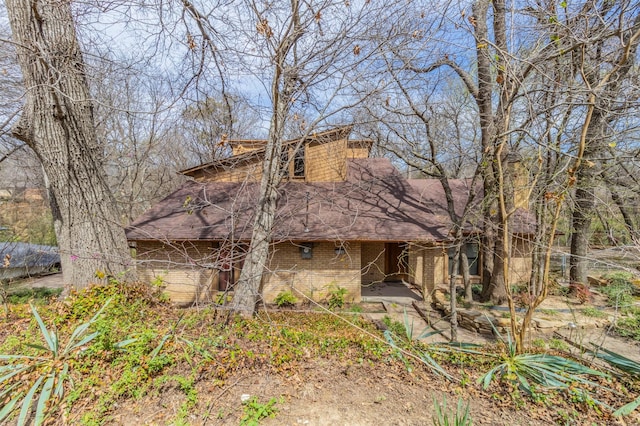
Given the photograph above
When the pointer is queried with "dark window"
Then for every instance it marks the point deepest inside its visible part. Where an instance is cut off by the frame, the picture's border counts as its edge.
(472, 251)
(298, 162)
(284, 162)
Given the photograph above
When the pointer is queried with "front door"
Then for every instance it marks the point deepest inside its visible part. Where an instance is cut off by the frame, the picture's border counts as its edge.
(396, 261)
(231, 262)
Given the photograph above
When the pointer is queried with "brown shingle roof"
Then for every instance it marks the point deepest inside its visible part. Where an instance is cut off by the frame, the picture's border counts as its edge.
(431, 195)
(375, 203)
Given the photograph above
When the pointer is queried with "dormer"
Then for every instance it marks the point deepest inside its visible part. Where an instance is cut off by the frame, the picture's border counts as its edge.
(319, 157)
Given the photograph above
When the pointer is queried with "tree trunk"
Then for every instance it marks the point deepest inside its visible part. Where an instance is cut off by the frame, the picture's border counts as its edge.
(466, 278)
(57, 123)
(283, 86)
(585, 198)
(247, 291)
(453, 320)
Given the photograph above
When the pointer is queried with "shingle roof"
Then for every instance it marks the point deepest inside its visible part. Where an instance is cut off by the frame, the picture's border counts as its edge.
(432, 196)
(375, 203)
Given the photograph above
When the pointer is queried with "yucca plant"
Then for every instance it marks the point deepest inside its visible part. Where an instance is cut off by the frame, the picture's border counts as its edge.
(416, 351)
(446, 417)
(550, 371)
(38, 382)
(625, 365)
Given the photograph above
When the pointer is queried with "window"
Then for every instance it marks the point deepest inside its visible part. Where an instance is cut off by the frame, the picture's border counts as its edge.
(298, 162)
(284, 162)
(472, 250)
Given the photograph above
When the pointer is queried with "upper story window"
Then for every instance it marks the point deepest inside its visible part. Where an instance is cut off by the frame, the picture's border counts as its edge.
(299, 163)
(284, 162)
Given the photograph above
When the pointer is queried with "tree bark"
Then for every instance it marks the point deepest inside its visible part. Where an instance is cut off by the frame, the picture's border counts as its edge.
(283, 86)
(57, 123)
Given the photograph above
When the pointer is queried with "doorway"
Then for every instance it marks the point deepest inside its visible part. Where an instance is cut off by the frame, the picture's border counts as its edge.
(396, 261)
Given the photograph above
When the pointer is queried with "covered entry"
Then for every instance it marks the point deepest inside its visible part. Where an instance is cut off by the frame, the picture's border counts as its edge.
(396, 262)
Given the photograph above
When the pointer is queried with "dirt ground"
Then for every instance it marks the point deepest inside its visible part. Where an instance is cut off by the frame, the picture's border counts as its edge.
(329, 394)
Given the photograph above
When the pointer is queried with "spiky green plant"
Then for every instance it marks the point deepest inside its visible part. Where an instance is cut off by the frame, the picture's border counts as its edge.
(408, 345)
(550, 371)
(38, 382)
(446, 417)
(625, 365)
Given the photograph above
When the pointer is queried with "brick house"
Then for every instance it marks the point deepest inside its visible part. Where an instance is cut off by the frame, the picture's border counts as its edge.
(343, 220)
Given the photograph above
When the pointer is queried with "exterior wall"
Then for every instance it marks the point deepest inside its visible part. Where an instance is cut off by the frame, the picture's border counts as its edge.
(314, 277)
(520, 265)
(179, 269)
(326, 162)
(358, 149)
(247, 172)
(427, 267)
(372, 259)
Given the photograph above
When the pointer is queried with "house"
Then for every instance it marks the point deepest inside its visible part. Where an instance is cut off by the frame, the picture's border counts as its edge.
(344, 220)
(20, 260)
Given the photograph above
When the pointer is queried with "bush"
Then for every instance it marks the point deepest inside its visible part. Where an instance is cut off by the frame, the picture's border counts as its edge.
(620, 290)
(336, 298)
(285, 298)
(629, 326)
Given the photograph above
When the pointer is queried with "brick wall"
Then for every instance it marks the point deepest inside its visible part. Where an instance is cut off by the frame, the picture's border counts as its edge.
(324, 162)
(372, 262)
(520, 265)
(180, 268)
(314, 277)
(427, 267)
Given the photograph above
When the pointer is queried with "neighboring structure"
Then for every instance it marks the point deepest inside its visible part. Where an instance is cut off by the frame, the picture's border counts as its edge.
(19, 260)
(344, 220)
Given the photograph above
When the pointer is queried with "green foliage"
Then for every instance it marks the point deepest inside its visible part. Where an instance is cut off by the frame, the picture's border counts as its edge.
(592, 312)
(37, 295)
(336, 298)
(46, 374)
(285, 298)
(403, 337)
(629, 325)
(549, 371)
(254, 411)
(444, 416)
(620, 290)
(558, 344)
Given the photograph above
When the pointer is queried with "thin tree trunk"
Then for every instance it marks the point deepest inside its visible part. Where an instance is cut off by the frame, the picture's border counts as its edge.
(57, 123)
(453, 320)
(248, 289)
(466, 278)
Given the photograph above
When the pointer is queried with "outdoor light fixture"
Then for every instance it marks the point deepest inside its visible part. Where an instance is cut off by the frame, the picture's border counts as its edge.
(306, 250)
(340, 251)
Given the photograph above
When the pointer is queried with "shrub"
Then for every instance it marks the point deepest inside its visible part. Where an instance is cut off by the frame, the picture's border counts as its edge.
(285, 298)
(620, 290)
(336, 298)
(629, 325)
